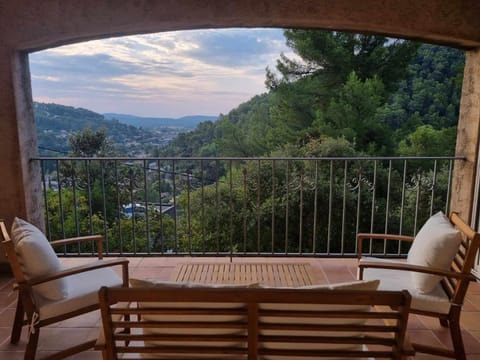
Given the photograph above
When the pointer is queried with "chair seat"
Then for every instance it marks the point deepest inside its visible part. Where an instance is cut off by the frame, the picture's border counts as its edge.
(82, 291)
(435, 301)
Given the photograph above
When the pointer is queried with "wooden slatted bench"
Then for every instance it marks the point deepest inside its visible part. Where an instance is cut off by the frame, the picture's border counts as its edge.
(253, 323)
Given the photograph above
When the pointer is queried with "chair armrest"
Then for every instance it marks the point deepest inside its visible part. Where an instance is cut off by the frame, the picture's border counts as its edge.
(415, 268)
(98, 264)
(97, 238)
(362, 236)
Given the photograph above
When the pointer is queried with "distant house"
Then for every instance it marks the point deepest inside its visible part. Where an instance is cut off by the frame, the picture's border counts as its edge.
(130, 209)
(169, 210)
(140, 210)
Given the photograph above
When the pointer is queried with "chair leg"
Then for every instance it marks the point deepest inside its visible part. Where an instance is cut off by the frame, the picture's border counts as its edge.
(456, 334)
(31, 349)
(17, 322)
(127, 330)
(444, 322)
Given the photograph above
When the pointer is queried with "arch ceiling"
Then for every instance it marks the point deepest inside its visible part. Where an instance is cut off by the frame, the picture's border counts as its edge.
(29, 25)
(33, 25)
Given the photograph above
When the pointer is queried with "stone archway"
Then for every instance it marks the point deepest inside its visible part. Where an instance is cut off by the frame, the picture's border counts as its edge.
(31, 25)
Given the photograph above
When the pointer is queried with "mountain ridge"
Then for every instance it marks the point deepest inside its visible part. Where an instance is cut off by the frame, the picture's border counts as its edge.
(55, 123)
(190, 121)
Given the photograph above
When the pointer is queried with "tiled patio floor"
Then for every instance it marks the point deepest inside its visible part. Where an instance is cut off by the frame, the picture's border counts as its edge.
(330, 270)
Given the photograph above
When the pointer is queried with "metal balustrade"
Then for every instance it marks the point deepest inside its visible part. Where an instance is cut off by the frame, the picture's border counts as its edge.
(241, 206)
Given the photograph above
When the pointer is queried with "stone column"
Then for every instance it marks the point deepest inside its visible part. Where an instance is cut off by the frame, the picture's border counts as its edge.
(20, 185)
(468, 134)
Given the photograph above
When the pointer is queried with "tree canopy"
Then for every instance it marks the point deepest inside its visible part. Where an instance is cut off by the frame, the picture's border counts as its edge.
(332, 56)
(371, 90)
(89, 143)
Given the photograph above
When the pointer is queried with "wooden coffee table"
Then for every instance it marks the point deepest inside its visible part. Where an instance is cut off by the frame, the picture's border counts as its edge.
(270, 274)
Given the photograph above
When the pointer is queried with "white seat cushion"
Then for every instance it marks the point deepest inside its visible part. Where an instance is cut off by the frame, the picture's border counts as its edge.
(435, 246)
(37, 258)
(212, 318)
(294, 320)
(83, 292)
(357, 285)
(436, 300)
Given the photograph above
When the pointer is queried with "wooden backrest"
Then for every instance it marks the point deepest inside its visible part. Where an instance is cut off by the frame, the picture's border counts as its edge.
(9, 249)
(253, 323)
(463, 261)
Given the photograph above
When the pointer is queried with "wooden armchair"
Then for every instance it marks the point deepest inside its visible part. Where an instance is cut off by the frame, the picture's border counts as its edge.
(437, 273)
(49, 296)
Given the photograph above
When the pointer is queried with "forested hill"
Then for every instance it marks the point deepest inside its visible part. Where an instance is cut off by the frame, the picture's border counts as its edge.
(187, 122)
(56, 122)
(351, 95)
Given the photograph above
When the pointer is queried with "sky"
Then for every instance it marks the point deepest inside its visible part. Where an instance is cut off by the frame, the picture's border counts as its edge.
(170, 74)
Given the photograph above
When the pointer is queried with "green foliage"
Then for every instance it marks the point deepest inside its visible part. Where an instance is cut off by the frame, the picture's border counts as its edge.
(338, 87)
(334, 55)
(426, 141)
(134, 236)
(359, 87)
(429, 95)
(70, 215)
(94, 180)
(246, 130)
(59, 117)
(89, 143)
(75, 211)
(309, 205)
(193, 143)
(352, 114)
(56, 122)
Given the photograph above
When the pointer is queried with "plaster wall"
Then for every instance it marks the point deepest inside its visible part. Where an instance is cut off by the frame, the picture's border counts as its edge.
(12, 200)
(11, 195)
(32, 24)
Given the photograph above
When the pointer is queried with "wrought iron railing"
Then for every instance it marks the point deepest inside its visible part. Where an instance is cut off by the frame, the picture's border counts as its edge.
(241, 206)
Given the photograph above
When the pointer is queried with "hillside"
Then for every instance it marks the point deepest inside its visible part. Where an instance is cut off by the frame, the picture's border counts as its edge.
(415, 115)
(56, 122)
(187, 122)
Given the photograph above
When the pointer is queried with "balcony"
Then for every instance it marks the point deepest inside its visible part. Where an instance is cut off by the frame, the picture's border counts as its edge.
(24, 33)
(327, 270)
(241, 206)
(161, 212)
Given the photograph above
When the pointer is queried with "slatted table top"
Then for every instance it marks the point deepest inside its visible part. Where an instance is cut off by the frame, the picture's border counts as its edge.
(271, 274)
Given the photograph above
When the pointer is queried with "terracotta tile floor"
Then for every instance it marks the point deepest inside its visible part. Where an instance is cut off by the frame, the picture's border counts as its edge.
(325, 270)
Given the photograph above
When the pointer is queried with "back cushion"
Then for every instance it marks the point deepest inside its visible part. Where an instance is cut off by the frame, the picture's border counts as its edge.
(292, 320)
(37, 258)
(211, 317)
(435, 246)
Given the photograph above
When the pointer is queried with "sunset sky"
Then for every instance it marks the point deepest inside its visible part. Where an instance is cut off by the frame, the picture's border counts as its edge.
(170, 74)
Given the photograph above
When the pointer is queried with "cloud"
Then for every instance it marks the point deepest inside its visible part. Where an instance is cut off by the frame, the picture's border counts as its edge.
(236, 47)
(203, 70)
(97, 65)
